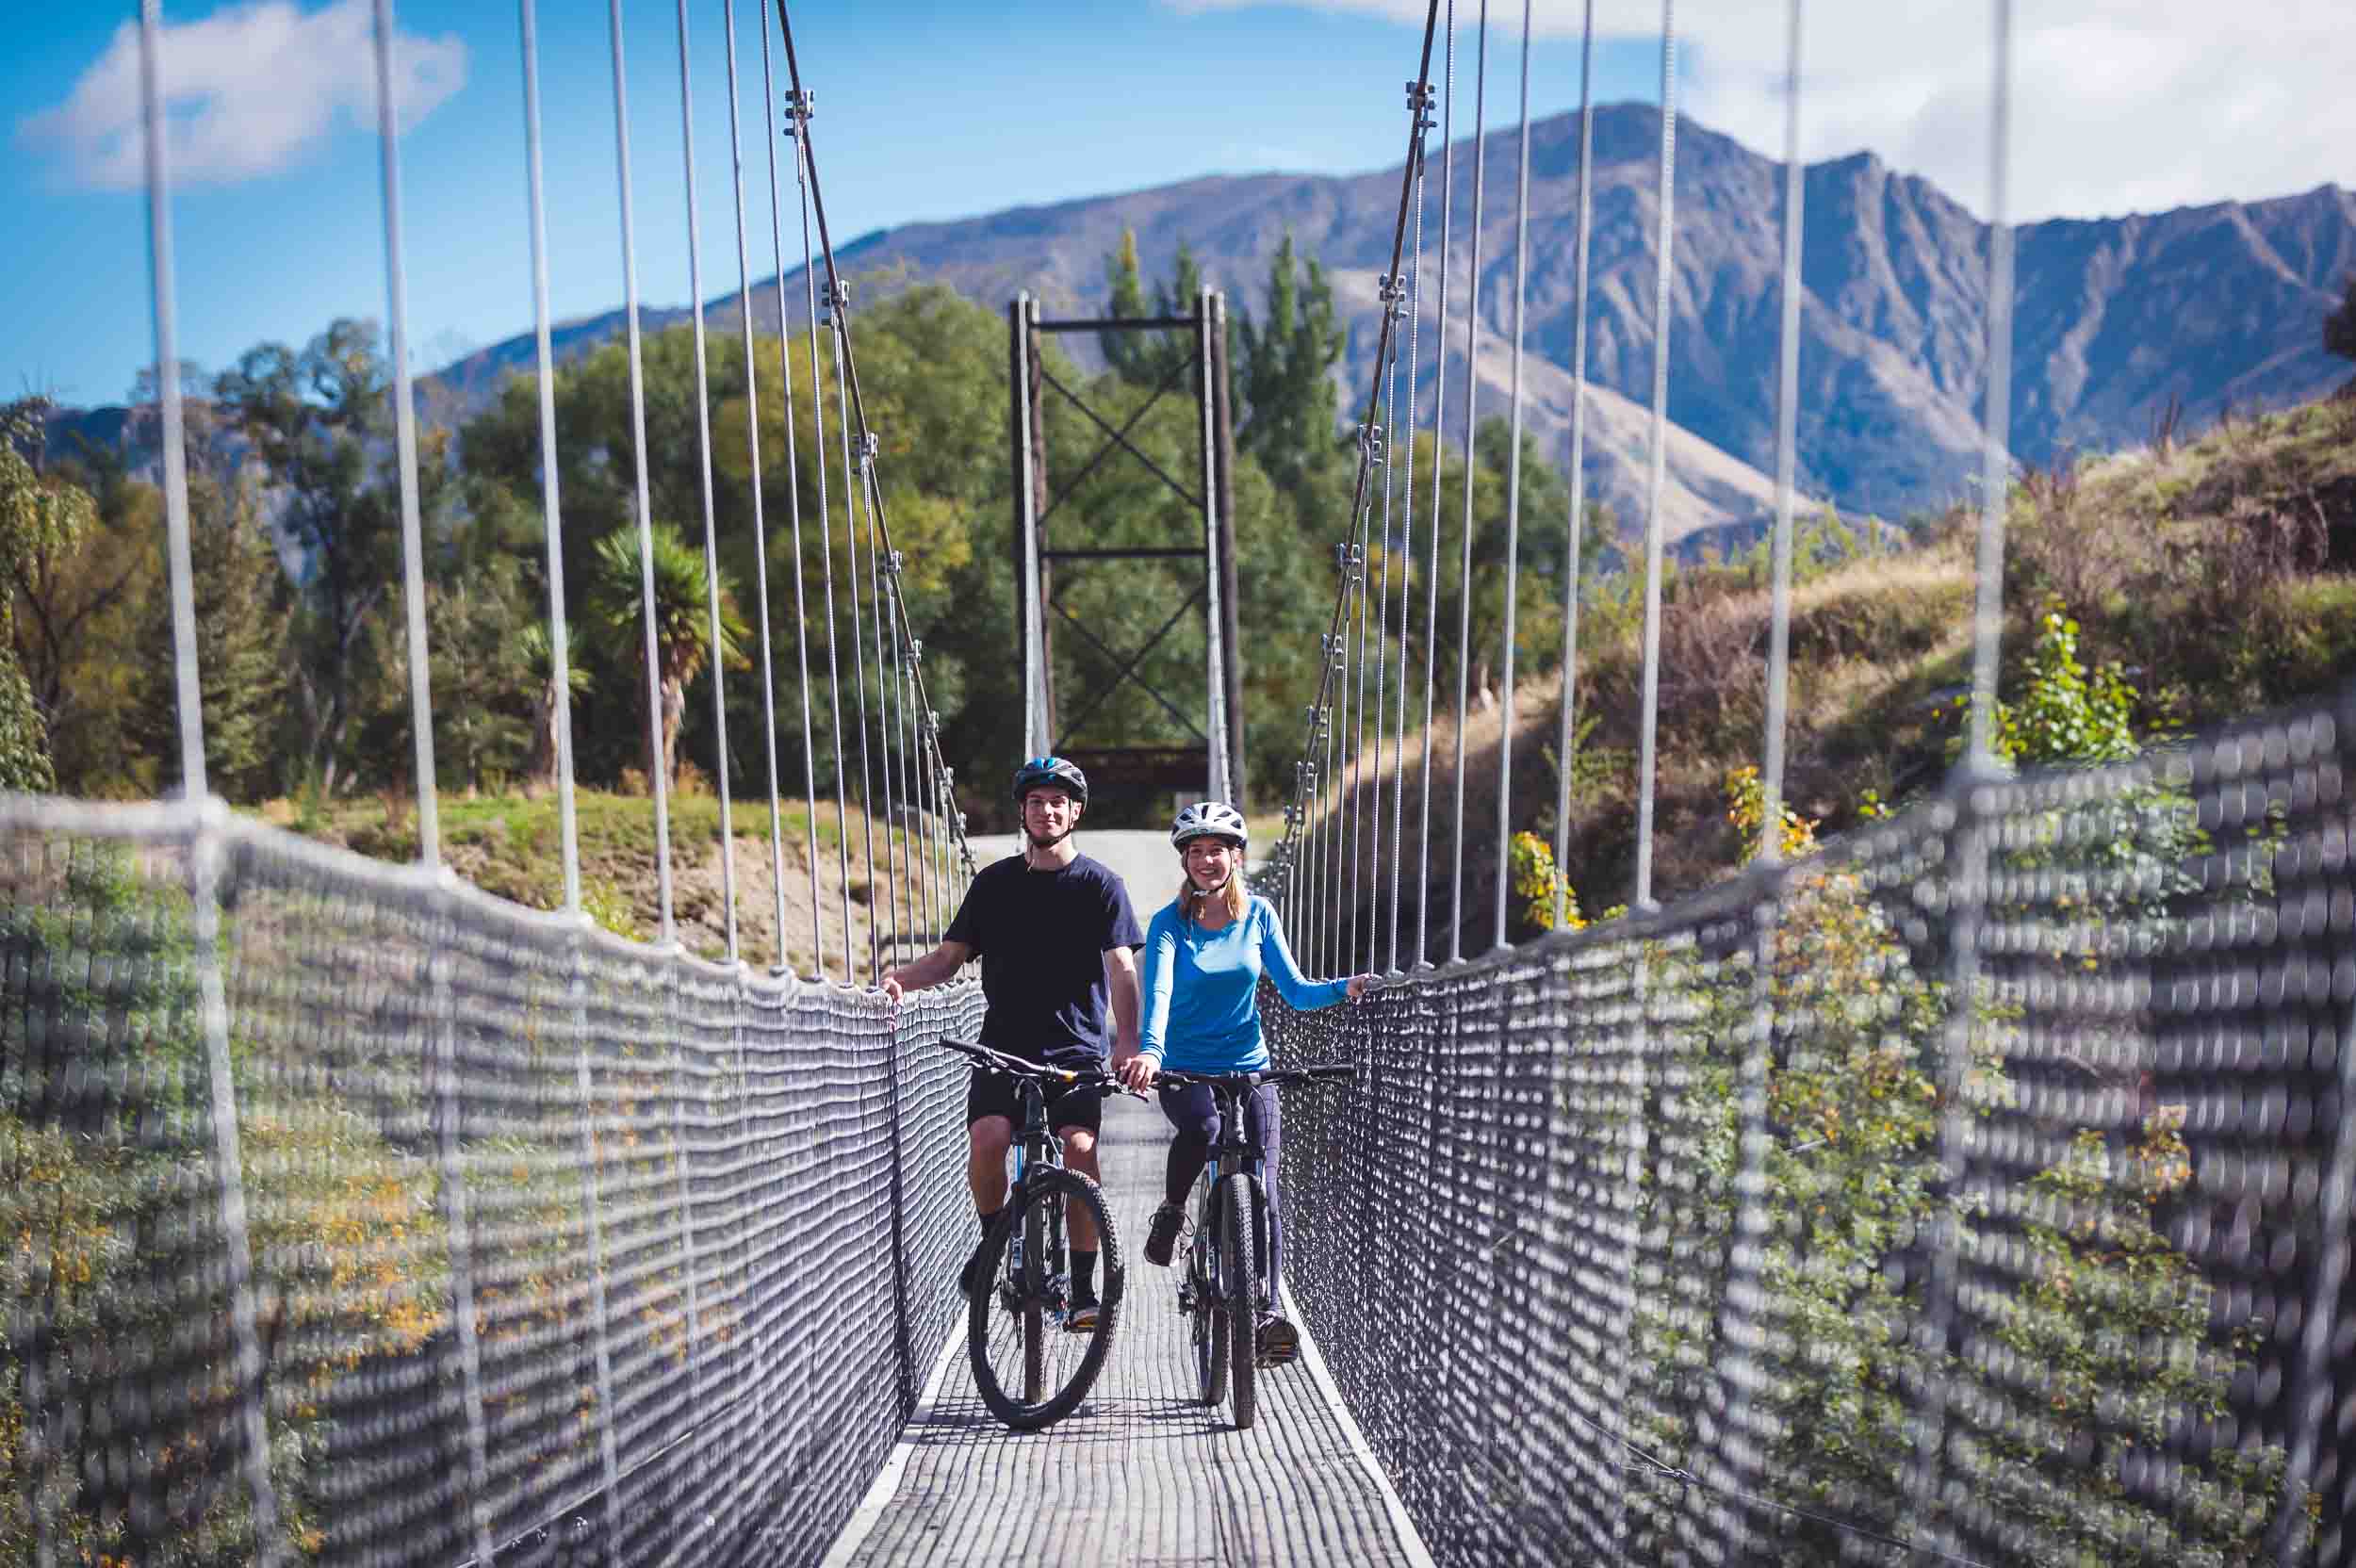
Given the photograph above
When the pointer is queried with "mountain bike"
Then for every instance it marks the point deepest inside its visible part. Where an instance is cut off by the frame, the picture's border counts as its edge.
(1032, 1368)
(1227, 1285)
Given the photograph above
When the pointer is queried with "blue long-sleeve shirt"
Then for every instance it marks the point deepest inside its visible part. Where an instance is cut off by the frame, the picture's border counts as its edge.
(1199, 1011)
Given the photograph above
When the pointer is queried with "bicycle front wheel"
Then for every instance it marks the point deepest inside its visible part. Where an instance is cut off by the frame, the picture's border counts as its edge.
(1239, 1293)
(1031, 1367)
(1208, 1320)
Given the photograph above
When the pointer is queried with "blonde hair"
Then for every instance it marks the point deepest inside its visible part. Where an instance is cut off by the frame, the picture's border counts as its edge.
(1236, 898)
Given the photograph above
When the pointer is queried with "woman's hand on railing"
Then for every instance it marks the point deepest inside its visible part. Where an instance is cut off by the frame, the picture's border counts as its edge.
(1361, 984)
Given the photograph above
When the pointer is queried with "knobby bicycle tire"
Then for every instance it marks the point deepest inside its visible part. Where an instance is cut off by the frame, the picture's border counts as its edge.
(1210, 1318)
(1241, 1294)
(1058, 1375)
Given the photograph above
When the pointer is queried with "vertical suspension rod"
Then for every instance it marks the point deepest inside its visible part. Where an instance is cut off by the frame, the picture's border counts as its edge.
(1472, 403)
(658, 779)
(1647, 765)
(1512, 501)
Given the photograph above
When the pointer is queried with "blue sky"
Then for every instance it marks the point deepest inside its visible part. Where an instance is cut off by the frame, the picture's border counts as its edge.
(925, 111)
(951, 108)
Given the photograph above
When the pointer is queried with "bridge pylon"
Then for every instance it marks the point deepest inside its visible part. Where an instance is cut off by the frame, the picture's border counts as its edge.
(1205, 757)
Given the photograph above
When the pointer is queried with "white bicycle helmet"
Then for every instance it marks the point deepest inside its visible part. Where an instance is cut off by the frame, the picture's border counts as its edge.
(1210, 819)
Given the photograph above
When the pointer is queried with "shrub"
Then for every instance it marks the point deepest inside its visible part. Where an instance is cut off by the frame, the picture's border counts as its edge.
(107, 1181)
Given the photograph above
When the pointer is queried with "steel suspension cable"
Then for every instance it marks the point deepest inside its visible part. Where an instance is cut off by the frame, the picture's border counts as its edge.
(252, 1457)
(1513, 503)
(1472, 404)
(793, 508)
(847, 364)
(1419, 107)
(1439, 465)
(1657, 480)
(1360, 566)
(552, 515)
(801, 113)
(703, 456)
(1337, 621)
(188, 683)
(1972, 855)
(1737, 1374)
(1567, 738)
(405, 452)
(656, 781)
(752, 452)
(1787, 463)
(887, 686)
(838, 305)
(1383, 705)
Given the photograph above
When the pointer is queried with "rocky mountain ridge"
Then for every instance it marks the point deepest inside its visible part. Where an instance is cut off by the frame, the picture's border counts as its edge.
(2117, 321)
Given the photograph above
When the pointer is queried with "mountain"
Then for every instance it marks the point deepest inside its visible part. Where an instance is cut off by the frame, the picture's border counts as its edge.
(2209, 306)
(2116, 320)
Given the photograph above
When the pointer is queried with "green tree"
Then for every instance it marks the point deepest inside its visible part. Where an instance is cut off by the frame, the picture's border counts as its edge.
(76, 600)
(104, 1133)
(2339, 328)
(1140, 360)
(320, 420)
(40, 519)
(683, 624)
(1287, 369)
(241, 629)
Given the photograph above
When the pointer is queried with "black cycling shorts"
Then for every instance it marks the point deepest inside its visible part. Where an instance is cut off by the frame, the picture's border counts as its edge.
(1068, 1104)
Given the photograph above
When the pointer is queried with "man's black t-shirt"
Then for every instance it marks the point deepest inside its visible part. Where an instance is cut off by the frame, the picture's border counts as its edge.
(1043, 937)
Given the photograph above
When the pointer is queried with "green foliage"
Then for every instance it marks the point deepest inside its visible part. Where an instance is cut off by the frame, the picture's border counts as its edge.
(2339, 328)
(2067, 713)
(1537, 885)
(106, 1169)
(1286, 372)
(607, 905)
(319, 419)
(1138, 359)
(2112, 1324)
(40, 519)
(242, 626)
(682, 631)
(1746, 810)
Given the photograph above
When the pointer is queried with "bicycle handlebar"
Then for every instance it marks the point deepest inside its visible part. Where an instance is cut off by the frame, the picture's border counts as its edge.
(1325, 1071)
(987, 1060)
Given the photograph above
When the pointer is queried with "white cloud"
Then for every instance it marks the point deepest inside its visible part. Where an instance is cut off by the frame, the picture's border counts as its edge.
(247, 91)
(2118, 104)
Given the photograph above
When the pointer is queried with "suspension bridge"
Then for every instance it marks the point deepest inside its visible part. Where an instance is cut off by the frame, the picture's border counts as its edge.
(1973, 1189)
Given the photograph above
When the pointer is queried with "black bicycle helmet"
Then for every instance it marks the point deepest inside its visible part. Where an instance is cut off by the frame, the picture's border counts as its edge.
(1061, 772)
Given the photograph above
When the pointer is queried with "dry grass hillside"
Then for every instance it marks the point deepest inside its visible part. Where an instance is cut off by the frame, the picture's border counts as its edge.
(510, 845)
(2220, 572)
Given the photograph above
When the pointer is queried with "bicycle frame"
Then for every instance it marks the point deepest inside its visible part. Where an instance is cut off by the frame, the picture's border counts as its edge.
(1235, 1153)
(1035, 1142)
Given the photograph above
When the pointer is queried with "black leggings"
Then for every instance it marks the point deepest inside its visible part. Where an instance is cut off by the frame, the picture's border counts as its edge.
(1195, 1115)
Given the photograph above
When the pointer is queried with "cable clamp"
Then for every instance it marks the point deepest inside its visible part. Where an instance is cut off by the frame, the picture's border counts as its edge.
(916, 650)
(894, 565)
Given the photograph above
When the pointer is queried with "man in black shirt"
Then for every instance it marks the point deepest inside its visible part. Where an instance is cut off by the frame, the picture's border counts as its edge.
(1057, 939)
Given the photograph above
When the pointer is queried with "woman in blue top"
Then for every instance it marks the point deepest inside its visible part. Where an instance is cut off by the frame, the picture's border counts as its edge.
(1205, 953)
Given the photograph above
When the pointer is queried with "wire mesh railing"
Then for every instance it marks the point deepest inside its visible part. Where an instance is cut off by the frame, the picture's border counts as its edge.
(1744, 1233)
(508, 1240)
